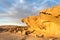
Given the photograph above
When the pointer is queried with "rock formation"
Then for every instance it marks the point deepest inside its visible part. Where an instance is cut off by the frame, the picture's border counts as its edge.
(47, 23)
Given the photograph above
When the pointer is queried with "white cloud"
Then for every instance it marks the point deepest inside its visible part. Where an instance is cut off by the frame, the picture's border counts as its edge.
(10, 21)
(21, 1)
(21, 24)
(25, 10)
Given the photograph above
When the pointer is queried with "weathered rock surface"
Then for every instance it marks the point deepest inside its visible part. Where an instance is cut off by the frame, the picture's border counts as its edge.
(46, 23)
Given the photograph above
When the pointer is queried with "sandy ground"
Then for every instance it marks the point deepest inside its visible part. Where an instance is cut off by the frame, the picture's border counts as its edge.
(13, 36)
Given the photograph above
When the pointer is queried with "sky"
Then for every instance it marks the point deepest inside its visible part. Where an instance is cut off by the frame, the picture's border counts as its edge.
(11, 11)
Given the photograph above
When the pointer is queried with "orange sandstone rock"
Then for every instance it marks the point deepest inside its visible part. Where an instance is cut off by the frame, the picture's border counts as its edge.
(46, 23)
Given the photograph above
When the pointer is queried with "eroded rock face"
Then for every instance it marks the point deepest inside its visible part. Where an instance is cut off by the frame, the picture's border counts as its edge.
(12, 28)
(22, 30)
(46, 23)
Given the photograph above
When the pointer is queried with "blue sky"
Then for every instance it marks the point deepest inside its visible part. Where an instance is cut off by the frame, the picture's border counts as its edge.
(11, 11)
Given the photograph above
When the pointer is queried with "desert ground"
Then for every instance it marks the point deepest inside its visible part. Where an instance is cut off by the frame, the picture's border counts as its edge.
(7, 33)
